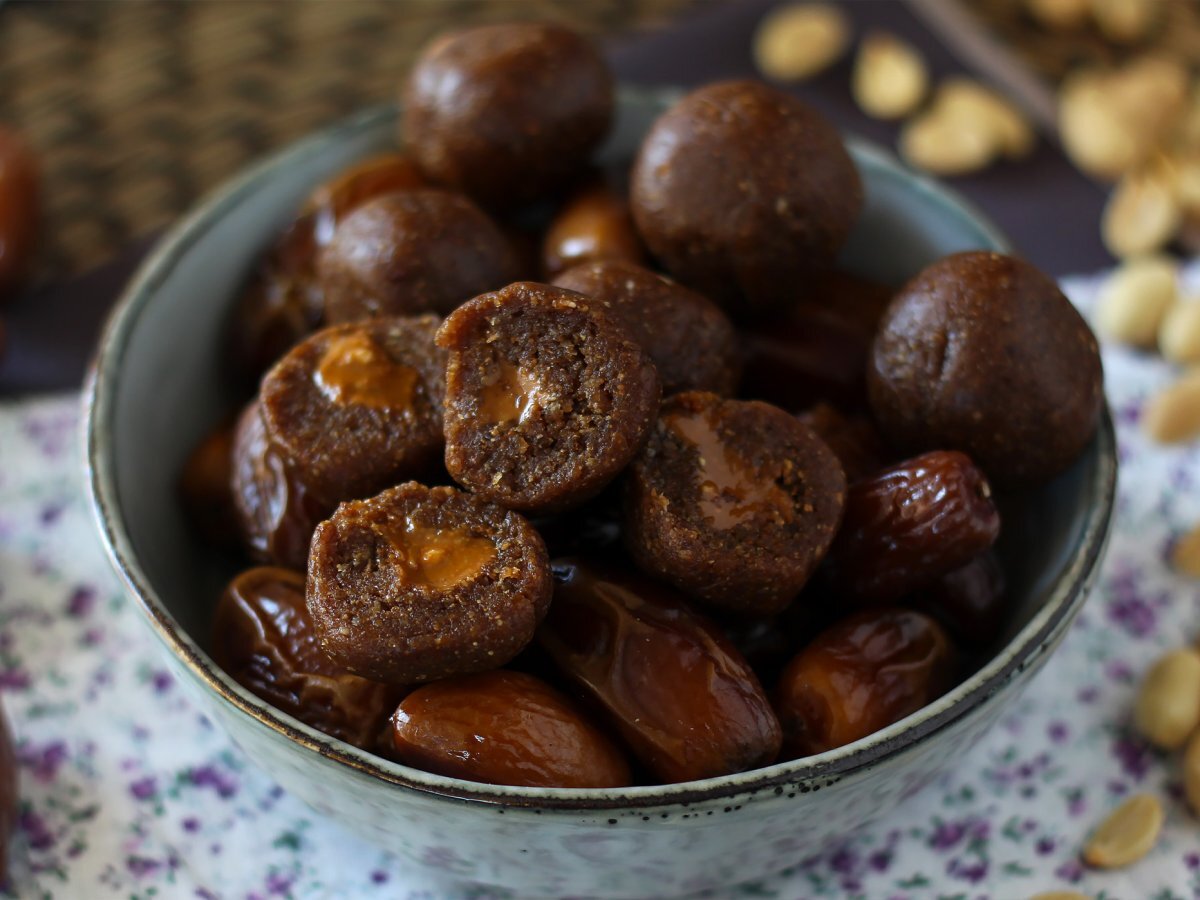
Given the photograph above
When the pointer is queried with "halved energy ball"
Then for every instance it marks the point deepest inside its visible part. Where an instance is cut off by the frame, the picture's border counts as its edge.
(419, 583)
(735, 502)
(548, 397)
(349, 411)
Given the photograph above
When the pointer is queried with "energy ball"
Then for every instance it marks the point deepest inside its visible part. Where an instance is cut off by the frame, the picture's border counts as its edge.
(348, 412)
(411, 252)
(548, 397)
(419, 583)
(507, 113)
(691, 341)
(982, 353)
(356, 408)
(735, 502)
(742, 191)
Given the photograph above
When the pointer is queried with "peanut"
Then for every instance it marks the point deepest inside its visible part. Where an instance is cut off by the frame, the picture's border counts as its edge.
(1174, 413)
(1127, 835)
(1191, 773)
(1185, 555)
(1134, 300)
(963, 98)
(1093, 127)
(1151, 92)
(1179, 333)
(1143, 213)
(1168, 704)
(1125, 21)
(796, 42)
(943, 146)
(890, 77)
(1059, 14)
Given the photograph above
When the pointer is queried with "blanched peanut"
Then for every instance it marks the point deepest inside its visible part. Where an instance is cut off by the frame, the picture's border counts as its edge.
(1127, 835)
(1168, 704)
(1174, 414)
(1185, 555)
(967, 100)
(1093, 128)
(1060, 14)
(1134, 300)
(798, 41)
(890, 77)
(1142, 213)
(1179, 333)
(1125, 21)
(1151, 91)
(943, 146)
(1191, 773)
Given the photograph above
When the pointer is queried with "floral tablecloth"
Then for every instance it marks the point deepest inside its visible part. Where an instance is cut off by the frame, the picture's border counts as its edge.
(128, 791)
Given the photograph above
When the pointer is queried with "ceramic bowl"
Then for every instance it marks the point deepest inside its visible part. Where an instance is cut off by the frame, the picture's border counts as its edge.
(156, 390)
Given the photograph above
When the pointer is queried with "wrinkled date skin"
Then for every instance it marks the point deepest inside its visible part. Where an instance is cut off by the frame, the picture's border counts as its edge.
(970, 601)
(19, 211)
(910, 524)
(282, 303)
(684, 699)
(206, 488)
(859, 676)
(594, 224)
(503, 727)
(263, 637)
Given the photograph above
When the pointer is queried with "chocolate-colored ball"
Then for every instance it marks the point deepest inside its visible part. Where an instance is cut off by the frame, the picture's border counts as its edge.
(507, 113)
(982, 353)
(741, 190)
(411, 252)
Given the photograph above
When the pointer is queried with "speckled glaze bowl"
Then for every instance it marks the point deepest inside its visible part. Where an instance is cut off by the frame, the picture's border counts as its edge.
(155, 391)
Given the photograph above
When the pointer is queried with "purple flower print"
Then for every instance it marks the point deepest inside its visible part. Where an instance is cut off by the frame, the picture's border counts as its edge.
(1133, 755)
(144, 788)
(37, 832)
(81, 602)
(43, 762)
(211, 777)
(141, 866)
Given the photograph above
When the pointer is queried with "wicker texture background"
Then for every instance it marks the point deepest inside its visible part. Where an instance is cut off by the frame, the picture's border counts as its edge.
(137, 108)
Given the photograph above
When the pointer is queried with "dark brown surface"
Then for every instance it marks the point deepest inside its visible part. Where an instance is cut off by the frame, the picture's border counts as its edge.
(378, 610)
(741, 191)
(683, 698)
(910, 524)
(505, 728)
(548, 397)
(734, 502)
(263, 638)
(507, 113)
(343, 436)
(592, 224)
(859, 676)
(418, 251)
(982, 353)
(692, 343)
(209, 103)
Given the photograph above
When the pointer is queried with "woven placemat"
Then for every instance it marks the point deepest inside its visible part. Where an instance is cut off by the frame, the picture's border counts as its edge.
(136, 109)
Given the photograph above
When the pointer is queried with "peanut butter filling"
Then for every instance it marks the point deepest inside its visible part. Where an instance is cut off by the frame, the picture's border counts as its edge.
(511, 397)
(356, 370)
(438, 558)
(730, 491)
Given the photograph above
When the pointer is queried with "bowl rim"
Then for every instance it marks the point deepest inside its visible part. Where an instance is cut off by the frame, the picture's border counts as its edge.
(1063, 599)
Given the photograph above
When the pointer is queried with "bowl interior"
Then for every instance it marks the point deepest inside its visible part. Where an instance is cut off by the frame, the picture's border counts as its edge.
(160, 388)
